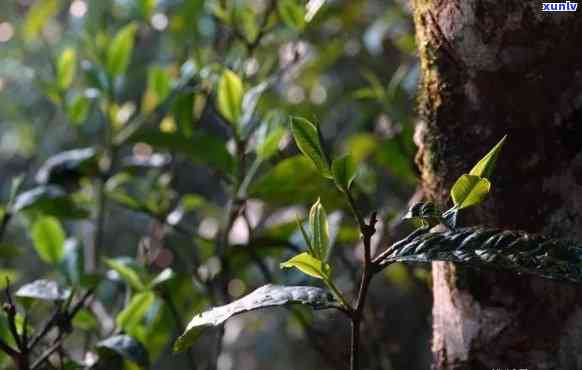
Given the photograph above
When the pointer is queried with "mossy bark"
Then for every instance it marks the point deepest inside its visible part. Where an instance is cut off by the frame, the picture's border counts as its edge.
(491, 68)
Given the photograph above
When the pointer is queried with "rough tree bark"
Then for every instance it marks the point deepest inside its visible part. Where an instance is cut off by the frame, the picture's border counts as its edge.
(492, 67)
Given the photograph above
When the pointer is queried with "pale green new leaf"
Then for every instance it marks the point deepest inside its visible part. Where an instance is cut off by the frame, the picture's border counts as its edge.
(229, 96)
(292, 13)
(38, 15)
(134, 312)
(344, 172)
(309, 265)
(307, 139)
(270, 145)
(469, 190)
(127, 273)
(320, 230)
(66, 67)
(120, 50)
(484, 168)
(48, 237)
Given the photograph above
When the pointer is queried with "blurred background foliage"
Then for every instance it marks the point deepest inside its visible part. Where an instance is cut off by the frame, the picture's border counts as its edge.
(110, 115)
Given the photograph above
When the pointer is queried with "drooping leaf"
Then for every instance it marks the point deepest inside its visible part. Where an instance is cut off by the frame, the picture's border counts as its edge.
(230, 96)
(484, 168)
(469, 190)
(127, 273)
(266, 296)
(68, 166)
(120, 50)
(292, 13)
(514, 251)
(50, 200)
(344, 171)
(135, 310)
(307, 138)
(66, 67)
(320, 230)
(49, 239)
(309, 265)
(127, 347)
(46, 290)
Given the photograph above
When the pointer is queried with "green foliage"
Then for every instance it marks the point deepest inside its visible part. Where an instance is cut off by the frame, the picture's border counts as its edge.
(135, 310)
(484, 168)
(37, 17)
(49, 239)
(292, 14)
(229, 96)
(66, 68)
(309, 265)
(469, 190)
(127, 273)
(120, 50)
(308, 139)
(126, 131)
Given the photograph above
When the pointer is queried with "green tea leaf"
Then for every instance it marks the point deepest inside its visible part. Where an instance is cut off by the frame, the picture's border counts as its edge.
(469, 190)
(320, 230)
(127, 273)
(120, 50)
(263, 297)
(484, 168)
(183, 109)
(78, 109)
(292, 14)
(306, 137)
(309, 265)
(146, 7)
(66, 67)
(158, 88)
(134, 312)
(48, 237)
(295, 180)
(229, 97)
(344, 172)
(270, 145)
(38, 16)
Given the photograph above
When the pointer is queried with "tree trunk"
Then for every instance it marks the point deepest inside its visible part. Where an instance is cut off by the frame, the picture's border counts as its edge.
(490, 68)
